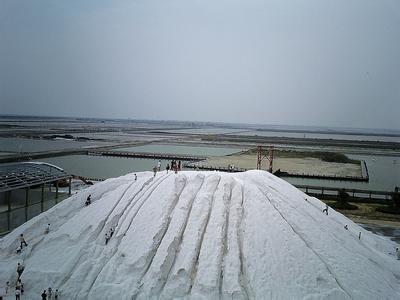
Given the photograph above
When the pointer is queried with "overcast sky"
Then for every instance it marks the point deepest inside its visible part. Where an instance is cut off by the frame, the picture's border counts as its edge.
(324, 63)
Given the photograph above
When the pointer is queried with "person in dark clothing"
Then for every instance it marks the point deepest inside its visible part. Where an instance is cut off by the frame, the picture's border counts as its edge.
(179, 165)
(396, 198)
(167, 168)
(44, 295)
(20, 286)
(173, 165)
(7, 287)
(88, 200)
(154, 171)
(20, 269)
(325, 210)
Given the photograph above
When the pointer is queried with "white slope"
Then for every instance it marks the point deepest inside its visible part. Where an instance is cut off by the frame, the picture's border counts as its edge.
(200, 235)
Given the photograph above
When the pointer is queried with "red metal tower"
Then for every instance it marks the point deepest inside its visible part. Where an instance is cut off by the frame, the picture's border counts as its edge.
(261, 156)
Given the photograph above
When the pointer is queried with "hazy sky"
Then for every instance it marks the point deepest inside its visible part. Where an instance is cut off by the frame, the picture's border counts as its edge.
(330, 63)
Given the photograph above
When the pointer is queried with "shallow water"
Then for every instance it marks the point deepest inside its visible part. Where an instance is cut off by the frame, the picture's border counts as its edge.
(102, 167)
(20, 145)
(391, 232)
(350, 137)
(384, 171)
(182, 149)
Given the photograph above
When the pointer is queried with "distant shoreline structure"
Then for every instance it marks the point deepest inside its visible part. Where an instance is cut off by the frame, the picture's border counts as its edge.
(207, 124)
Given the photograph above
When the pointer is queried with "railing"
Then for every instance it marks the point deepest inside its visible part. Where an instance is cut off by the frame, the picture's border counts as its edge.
(213, 168)
(20, 212)
(330, 192)
(87, 179)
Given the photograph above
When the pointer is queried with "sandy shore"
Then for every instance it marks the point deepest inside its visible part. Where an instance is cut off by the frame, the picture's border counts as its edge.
(306, 165)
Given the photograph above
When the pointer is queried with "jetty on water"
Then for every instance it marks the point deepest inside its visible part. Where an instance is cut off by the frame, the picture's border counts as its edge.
(148, 155)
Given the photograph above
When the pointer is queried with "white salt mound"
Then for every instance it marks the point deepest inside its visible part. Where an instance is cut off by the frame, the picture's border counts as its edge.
(199, 235)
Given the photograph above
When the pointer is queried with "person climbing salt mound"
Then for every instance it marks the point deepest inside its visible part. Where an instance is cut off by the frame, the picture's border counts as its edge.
(199, 235)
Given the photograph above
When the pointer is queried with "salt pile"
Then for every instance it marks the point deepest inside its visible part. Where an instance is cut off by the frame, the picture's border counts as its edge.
(199, 235)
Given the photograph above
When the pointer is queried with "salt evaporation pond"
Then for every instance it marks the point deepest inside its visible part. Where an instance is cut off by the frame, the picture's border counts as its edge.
(20, 145)
(316, 135)
(102, 166)
(384, 171)
(106, 167)
(182, 149)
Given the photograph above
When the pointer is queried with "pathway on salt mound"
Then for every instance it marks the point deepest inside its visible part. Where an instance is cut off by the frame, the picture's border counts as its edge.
(200, 234)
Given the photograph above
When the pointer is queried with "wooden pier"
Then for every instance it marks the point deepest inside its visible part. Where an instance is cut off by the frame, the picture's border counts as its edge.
(147, 155)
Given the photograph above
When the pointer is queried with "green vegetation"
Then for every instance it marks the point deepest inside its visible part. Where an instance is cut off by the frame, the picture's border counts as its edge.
(345, 205)
(335, 157)
(342, 201)
(324, 156)
(394, 207)
(388, 210)
(371, 211)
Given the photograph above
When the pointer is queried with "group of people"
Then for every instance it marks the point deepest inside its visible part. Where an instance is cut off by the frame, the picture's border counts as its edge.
(325, 210)
(346, 227)
(48, 295)
(19, 289)
(19, 285)
(175, 166)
